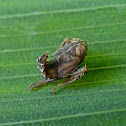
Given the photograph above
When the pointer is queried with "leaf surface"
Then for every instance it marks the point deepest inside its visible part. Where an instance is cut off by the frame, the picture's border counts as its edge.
(30, 28)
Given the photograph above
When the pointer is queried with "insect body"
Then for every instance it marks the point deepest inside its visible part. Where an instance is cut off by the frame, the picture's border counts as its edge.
(64, 63)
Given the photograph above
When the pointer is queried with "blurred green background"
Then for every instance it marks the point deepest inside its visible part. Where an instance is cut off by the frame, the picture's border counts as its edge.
(29, 28)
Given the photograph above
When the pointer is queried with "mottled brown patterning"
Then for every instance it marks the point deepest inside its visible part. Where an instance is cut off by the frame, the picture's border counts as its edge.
(64, 63)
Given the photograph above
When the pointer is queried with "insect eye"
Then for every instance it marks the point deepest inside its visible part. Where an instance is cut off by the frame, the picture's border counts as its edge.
(39, 59)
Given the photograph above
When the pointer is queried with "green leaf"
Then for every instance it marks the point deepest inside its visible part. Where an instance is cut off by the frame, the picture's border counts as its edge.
(30, 28)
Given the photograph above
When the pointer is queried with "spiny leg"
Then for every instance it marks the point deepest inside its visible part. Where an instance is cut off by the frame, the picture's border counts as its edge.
(80, 72)
(38, 84)
(75, 76)
(59, 85)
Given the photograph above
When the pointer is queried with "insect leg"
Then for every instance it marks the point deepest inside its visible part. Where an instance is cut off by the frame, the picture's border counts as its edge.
(80, 72)
(75, 76)
(38, 84)
(59, 85)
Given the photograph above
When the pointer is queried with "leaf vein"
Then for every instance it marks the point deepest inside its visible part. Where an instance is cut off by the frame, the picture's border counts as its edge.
(60, 11)
(30, 49)
(32, 75)
(68, 116)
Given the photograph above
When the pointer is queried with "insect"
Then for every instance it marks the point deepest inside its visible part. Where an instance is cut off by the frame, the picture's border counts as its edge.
(64, 63)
